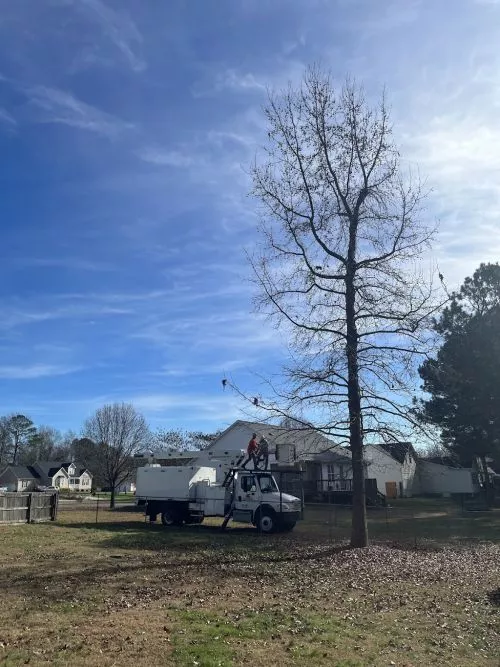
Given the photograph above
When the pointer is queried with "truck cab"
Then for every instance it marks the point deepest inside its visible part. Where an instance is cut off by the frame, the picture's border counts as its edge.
(258, 500)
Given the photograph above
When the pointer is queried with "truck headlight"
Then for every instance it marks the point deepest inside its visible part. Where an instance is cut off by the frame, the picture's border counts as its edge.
(286, 507)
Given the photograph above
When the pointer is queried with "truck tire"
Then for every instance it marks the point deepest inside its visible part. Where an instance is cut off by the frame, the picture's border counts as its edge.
(169, 518)
(266, 522)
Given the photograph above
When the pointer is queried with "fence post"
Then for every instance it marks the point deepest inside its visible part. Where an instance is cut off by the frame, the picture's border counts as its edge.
(28, 510)
(97, 508)
(53, 506)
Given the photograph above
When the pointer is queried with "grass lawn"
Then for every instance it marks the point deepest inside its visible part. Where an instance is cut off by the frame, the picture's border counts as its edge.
(123, 592)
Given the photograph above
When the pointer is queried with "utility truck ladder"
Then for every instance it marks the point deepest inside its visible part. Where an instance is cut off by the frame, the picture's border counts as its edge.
(228, 480)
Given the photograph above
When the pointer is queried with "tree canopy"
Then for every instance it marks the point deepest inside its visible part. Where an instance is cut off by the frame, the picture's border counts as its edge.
(463, 380)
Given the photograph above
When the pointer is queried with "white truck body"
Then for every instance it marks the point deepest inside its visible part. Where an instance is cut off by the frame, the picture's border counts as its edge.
(154, 481)
(215, 488)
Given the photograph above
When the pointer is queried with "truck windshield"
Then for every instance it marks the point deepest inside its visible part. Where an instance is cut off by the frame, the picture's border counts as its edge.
(267, 484)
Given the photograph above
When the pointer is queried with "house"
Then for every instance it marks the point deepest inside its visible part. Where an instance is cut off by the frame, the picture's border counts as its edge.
(393, 465)
(63, 475)
(287, 446)
(59, 474)
(128, 486)
(330, 470)
(19, 478)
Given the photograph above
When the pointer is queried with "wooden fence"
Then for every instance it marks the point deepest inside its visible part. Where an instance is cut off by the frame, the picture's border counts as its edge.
(28, 507)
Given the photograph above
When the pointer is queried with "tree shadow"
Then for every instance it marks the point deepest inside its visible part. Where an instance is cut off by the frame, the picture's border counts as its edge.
(494, 597)
(224, 546)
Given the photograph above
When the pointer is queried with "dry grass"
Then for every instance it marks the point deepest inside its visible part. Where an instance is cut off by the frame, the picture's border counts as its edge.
(126, 593)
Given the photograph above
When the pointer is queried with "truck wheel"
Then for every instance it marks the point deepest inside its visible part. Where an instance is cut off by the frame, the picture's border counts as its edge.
(168, 519)
(266, 523)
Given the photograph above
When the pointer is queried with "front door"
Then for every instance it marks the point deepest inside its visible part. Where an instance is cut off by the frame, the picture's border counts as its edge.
(391, 489)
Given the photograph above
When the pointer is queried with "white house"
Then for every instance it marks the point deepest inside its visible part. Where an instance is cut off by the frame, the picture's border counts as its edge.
(393, 465)
(63, 475)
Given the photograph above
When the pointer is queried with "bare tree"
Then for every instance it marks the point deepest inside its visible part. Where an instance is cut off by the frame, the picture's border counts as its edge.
(120, 431)
(338, 267)
(182, 440)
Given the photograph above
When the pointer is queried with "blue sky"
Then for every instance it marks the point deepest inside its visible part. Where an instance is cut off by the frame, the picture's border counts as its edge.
(127, 128)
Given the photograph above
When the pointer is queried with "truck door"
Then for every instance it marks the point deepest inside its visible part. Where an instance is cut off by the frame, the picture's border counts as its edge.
(248, 491)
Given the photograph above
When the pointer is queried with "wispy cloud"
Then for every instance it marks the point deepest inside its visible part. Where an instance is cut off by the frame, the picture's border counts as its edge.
(456, 143)
(228, 80)
(181, 408)
(119, 28)
(7, 119)
(35, 371)
(165, 157)
(61, 107)
(17, 317)
(70, 263)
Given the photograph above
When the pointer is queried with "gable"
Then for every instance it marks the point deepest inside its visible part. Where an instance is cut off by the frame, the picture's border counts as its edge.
(396, 450)
(375, 454)
(305, 441)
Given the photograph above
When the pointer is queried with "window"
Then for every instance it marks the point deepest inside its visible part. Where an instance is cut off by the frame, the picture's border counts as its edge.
(267, 484)
(330, 471)
(248, 484)
(73, 481)
(341, 471)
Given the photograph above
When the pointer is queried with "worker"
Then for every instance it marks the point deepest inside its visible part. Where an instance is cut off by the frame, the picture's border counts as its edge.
(252, 452)
(264, 452)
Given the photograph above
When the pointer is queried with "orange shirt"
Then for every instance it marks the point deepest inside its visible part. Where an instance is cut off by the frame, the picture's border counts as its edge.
(252, 446)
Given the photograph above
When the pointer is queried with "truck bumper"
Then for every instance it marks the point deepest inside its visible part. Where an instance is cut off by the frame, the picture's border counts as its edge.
(289, 518)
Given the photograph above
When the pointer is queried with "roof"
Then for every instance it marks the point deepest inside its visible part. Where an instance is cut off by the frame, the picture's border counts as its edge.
(50, 468)
(23, 472)
(442, 461)
(309, 440)
(334, 456)
(397, 450)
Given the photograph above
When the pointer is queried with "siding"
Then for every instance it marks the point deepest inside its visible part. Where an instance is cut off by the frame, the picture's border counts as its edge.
(8, 479)
(236, 438)
(383, 468)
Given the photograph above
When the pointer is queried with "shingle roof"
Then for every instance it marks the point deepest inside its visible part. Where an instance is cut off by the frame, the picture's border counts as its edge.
(443, 461)
(23, 472)
(335, 456)
(50, 468)
(398, 450)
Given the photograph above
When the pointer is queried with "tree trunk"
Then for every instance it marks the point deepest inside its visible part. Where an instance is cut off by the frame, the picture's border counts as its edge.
(488, 488)
(112, 498)
(359, 528)
(16, 448)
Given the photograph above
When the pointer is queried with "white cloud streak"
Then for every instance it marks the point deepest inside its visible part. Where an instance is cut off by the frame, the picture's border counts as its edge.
(35, 371)
(164, 157)
(119, 28)
(7, 119)
(60, 107)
